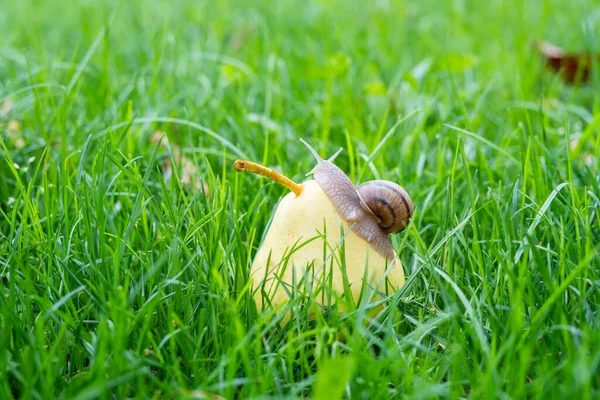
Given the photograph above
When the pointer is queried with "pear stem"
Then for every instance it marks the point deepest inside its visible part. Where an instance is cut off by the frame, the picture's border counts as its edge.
(249, 166)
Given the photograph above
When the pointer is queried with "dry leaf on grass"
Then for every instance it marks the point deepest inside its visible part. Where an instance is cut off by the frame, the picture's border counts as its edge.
(572, 67)
(188, 171)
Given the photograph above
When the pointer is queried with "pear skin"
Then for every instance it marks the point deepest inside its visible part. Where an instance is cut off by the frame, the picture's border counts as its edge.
(287, 251)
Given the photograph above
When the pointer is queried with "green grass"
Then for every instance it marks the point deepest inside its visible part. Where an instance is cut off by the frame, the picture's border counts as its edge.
(118, 282)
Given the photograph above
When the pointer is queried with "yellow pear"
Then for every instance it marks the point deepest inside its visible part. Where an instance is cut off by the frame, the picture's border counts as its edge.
(329, 234)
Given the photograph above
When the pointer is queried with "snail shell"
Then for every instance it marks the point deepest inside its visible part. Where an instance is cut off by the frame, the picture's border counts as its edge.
(388, 202)
(375, 209)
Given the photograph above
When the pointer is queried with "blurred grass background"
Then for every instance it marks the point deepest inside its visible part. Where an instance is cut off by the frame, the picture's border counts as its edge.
(120, 282)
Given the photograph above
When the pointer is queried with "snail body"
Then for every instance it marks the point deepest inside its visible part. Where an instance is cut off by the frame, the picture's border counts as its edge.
(376, 208)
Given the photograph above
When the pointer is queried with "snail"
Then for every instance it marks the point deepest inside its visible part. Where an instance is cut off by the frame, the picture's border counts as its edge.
(330, 231)
(376, 208)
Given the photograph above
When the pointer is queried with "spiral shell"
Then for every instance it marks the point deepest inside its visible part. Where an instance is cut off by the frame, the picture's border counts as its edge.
(388, 202)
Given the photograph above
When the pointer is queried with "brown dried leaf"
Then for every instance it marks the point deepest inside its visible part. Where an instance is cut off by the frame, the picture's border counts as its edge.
(188, 172)
(572, 67)
(155, 137)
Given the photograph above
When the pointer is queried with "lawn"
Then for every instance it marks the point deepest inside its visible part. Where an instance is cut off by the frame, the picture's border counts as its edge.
(126, 235)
